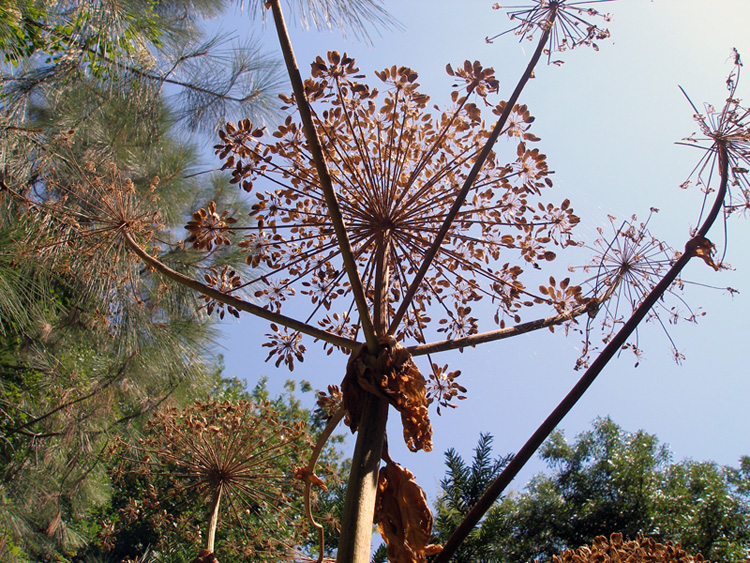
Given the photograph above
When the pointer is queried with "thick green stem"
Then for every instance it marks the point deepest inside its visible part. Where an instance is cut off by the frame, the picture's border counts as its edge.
(613, 347)
(359, 507)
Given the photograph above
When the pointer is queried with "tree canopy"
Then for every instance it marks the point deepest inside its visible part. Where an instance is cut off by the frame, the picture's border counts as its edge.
(607, 481)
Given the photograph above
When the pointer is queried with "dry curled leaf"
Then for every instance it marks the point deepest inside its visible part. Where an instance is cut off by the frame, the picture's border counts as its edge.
(703, 249)
(390, 374)
(307, 476)
(403, 517)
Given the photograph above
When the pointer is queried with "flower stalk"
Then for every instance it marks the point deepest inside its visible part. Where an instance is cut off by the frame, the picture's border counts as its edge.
(476, 168)
(324, 177)
(497, 487)
(213, 521)
(236, 302)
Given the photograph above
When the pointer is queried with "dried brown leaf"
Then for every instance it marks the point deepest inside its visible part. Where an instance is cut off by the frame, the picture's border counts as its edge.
(403, 516)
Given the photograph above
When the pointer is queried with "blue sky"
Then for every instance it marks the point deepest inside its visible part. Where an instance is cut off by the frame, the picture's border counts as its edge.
(608, 121)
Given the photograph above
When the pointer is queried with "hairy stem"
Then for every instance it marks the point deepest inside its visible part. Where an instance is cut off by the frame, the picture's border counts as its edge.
(359, 506)
(361, 492)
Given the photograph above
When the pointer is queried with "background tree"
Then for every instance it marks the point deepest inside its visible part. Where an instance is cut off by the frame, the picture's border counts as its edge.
(87, 352)
(240, 444)
(460, 489)
(610, 480)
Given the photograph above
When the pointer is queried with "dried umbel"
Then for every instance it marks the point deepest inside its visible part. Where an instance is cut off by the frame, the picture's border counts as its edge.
(617, 550)
(402, 516)
(572, 26)
(396, 167)
(390, 374)
(728, 130)
(209, 228)
(79, 225)
(230, 460)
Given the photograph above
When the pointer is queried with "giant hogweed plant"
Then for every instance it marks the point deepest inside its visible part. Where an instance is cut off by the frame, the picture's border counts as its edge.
(376, 211)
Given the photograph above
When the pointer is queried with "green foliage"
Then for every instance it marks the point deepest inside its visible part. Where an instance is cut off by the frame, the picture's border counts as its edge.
(20, 36)
(461, 489)
(159, 506)
(608, 481)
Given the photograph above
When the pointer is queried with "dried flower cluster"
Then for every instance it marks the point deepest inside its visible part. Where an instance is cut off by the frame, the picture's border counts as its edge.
(396, 169)
(572, 26)
(616, 550)
(729, 127)
(88, 218)
(239, 452)
(208, 228)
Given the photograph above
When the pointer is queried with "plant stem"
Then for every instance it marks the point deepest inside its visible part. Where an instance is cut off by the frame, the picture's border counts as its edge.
(324, 178)
(359, 507)
(500, 334)
(472, 176)
(361, 492)
(236, 302)
(213, 521)
(497, 487)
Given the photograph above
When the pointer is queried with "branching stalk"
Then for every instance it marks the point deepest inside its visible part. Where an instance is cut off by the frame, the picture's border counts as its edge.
(613, 347)
(324, 177)
(235, 302)
(331, 425)
(500, 334)
(472, 176)
(359, 506)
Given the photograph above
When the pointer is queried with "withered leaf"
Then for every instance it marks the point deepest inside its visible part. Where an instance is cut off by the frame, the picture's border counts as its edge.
(392, 375)
(703, 249)
(403, 516)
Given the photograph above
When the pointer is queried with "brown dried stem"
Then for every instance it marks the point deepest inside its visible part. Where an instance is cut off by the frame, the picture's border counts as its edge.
(500, 334)
(236, 302)
(213, 521)
(324, 177)
(591, 307)
(309, 475)
(613, 347)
